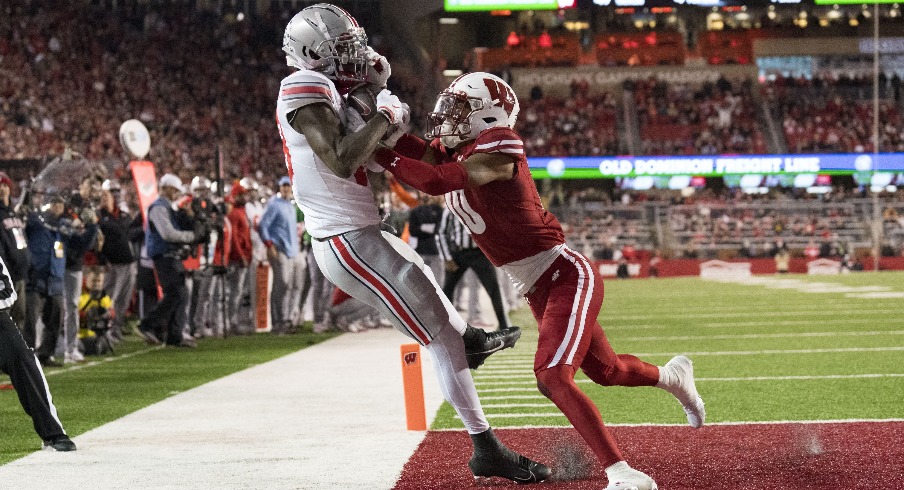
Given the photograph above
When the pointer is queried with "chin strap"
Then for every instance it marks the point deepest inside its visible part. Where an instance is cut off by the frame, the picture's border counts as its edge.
(435, 180)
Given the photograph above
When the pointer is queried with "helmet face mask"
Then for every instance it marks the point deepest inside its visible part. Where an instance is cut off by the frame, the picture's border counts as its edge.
(450, 115)
(327, 39)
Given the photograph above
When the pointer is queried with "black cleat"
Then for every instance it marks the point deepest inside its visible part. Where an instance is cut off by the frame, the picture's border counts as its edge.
(60, 443)
(479, 344)
(492, 458)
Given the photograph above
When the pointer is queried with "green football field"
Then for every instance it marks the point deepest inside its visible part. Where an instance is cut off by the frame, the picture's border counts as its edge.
(768, 348)
(776, 348)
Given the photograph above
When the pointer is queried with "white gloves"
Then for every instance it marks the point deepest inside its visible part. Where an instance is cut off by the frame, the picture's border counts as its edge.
(391, 107)
(378, 69)
(397, 130)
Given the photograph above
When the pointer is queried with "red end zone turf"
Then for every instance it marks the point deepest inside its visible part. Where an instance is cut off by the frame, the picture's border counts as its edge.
(837, 456)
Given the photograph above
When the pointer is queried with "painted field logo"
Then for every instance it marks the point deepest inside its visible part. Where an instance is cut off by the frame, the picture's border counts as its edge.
(410, 358)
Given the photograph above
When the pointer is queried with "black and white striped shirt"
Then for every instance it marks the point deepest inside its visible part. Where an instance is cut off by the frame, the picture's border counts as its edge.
(7, 290)
(452, 236)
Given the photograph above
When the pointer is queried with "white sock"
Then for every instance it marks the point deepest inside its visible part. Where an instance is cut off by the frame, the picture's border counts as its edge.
(667, 379)
(616, 469)
(455, 381)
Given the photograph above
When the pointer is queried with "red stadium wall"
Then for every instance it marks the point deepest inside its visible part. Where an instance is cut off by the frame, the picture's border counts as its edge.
(691, 267)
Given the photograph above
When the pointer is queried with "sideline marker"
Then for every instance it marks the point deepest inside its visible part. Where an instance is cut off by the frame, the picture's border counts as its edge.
(413, 385)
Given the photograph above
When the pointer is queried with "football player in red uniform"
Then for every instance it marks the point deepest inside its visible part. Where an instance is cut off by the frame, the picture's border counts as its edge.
(477, 161)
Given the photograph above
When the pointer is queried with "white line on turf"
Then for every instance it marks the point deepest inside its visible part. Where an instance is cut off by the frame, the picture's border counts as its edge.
(771, 351)
(741, 314)
(768, 335)
(518, 405)
(99, 362)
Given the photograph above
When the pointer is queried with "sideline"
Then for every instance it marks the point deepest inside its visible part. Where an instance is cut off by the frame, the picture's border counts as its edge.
(330, 416)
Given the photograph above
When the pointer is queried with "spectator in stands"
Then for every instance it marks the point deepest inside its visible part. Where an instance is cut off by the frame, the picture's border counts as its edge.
(13, 247)
(279, 231)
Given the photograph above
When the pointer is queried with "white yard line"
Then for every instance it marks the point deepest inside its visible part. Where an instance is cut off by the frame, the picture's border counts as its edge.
(871, 333)
(90, 364)
(330, 416)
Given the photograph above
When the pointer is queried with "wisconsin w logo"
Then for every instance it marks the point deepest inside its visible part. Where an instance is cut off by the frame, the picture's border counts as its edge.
(410, 358)
(501, 94)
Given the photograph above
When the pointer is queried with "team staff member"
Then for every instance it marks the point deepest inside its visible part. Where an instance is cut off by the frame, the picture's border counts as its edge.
(164, 238)
(13, 247)
(279, 231)
(460, 253)
(19, 362)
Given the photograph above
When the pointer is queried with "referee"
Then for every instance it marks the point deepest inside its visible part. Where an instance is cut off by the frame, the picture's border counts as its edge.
(19, 362)
(460, 253)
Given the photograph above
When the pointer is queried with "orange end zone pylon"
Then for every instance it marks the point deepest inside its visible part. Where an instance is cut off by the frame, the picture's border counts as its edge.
(413, 384)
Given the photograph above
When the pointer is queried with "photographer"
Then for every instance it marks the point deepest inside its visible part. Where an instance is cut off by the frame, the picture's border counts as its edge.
(202, 280)
(81, 212)
(168, 241)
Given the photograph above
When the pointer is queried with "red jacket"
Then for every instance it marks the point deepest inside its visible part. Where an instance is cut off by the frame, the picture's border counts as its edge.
(241, 236)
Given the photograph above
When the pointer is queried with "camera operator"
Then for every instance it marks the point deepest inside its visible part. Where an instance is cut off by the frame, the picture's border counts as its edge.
(205, 211)
(168, 240)
(81, 211)
(49, 234)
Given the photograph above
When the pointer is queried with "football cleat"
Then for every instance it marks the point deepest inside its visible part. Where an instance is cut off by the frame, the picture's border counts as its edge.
(480, 345)
(623, 477)
(61, 443)
(685, 390)
(492, 458)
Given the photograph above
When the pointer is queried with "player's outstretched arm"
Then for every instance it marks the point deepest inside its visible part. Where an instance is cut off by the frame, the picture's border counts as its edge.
(476, 170)
(342, 153)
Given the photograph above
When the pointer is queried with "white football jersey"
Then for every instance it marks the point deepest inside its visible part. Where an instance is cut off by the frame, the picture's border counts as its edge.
(331, 204)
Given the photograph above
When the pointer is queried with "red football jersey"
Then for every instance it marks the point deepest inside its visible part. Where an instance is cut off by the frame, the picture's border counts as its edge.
(506, 218)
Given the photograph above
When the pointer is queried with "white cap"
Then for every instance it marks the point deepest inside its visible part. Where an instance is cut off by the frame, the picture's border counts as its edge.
(170, 180)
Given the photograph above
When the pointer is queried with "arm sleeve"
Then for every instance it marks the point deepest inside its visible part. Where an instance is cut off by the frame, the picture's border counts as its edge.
(411, 146)
(160, 219)
(432, 179)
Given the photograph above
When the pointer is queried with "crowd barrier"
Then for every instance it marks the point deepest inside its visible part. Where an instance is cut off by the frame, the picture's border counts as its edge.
(697, 267)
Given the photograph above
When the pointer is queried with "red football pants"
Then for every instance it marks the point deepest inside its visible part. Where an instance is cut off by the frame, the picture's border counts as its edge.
(566, 302)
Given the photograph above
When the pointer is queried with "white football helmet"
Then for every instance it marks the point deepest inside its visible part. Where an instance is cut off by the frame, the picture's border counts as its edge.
(473, 103)
(327, 39)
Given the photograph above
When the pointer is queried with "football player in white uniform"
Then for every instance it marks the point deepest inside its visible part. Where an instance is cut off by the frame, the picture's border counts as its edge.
(326, 161)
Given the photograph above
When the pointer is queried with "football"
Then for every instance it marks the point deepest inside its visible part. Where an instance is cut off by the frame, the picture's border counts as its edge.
(363, 100)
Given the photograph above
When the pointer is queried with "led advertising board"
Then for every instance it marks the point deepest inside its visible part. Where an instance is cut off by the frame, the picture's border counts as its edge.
(488, 5)
(713, 165)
